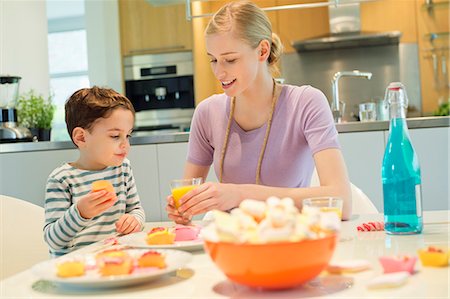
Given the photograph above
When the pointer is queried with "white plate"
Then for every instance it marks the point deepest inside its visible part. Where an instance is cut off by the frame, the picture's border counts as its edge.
(47, 271)
(139, 240)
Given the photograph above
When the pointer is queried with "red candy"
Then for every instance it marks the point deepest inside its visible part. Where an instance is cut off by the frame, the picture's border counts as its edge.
(370, 226)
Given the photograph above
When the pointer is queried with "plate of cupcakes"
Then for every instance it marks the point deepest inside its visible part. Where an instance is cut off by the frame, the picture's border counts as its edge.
(181, 237)
(115, 267)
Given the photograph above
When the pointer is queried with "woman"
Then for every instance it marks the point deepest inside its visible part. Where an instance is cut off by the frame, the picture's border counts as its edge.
(263, 138)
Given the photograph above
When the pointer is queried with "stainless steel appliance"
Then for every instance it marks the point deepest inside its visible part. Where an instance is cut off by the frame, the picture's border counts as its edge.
(161, 88)
(9, 129)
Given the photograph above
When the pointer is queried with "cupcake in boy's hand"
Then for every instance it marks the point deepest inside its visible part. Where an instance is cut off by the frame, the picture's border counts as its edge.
(103, 185)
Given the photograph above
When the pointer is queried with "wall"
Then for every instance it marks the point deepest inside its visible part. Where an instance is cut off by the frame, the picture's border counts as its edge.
(103, 40)
(386, 63)
(23, 43)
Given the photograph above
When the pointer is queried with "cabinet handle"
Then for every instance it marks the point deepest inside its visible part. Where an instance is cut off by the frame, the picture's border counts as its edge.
(335, 3)
(145, 50)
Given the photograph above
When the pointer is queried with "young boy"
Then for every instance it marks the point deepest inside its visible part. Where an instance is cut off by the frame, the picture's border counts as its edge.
(100, 122)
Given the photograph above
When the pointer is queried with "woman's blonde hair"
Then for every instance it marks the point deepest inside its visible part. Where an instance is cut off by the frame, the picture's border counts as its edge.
(249, 23)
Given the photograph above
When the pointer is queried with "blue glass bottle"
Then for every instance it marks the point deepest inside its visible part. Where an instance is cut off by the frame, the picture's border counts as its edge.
(401, 179)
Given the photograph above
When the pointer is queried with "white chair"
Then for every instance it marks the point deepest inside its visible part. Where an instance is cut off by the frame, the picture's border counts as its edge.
(21, 236)
(361, 203)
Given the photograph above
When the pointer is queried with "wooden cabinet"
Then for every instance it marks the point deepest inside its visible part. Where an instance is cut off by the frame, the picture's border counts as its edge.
(153, 29)
(300, 24)
(390, 15)
(433, 53)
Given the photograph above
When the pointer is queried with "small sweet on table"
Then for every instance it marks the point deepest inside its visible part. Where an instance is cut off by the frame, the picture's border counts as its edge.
(70, 268)
(160, 236)
(403, 263)
(152, 259)
(114, 262)
(434, 257)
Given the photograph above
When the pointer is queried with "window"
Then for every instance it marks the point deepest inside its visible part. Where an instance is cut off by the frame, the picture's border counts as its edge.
(67, 55)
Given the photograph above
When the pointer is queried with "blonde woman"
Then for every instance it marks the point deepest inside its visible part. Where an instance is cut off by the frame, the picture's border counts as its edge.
(262, 137)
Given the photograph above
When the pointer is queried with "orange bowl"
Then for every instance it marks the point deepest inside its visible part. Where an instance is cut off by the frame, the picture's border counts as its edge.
(272, 265)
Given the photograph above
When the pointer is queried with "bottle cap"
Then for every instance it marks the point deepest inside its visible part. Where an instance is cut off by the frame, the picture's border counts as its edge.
(396, 94)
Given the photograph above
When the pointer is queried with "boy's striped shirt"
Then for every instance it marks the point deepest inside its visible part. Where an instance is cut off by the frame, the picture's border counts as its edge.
(65, 230)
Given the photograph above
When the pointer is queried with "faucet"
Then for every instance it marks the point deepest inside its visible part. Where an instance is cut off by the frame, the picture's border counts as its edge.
(337, 113)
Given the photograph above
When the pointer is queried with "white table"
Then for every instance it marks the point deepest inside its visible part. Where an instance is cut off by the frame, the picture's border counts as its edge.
(201, 279)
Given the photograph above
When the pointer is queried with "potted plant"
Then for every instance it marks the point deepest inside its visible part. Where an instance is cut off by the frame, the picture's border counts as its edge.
(36, 113)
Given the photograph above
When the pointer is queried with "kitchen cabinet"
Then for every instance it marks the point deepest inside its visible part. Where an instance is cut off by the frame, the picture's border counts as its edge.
(24, 174)
(390, 15)
(171, 162)
(145, 28)
(144, 164)
(300, 24)
(433, 53)
(363, 154)
(432, 148)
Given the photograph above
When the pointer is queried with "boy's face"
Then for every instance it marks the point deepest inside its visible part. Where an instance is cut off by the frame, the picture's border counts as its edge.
(107, 142)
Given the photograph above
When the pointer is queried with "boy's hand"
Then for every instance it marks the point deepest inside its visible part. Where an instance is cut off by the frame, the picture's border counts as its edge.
(128, 224)
(95, 203)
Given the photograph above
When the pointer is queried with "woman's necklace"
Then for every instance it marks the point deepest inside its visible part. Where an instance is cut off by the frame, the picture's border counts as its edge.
(275, 95)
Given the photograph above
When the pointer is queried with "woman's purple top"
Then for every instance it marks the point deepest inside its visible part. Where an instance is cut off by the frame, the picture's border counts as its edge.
(302, 125)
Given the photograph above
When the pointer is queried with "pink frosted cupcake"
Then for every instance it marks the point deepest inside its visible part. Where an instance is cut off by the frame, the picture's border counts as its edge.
(185, 232)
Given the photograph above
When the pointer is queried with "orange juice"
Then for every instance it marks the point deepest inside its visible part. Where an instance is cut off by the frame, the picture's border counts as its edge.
(178, 192)
(338, 211)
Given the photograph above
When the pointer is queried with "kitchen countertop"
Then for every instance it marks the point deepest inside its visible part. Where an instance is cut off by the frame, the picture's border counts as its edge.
(152, 138)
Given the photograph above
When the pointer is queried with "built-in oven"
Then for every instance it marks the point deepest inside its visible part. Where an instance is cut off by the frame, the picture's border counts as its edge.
(161, 88)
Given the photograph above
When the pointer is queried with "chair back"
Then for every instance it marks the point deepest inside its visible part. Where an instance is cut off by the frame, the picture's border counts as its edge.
(21, 235)
(361, 203)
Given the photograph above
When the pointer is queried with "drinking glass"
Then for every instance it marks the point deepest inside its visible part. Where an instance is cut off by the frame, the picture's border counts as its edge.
(367, 112)
(180, 187)
(325, 204)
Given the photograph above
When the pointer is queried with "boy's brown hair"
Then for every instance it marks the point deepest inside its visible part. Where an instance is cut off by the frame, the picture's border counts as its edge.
(87, 105)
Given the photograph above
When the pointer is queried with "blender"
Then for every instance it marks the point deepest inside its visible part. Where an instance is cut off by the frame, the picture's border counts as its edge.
(9, 129)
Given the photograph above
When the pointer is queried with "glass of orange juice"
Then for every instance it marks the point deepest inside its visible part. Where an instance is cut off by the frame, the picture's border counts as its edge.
(325, 204)
(182, 186)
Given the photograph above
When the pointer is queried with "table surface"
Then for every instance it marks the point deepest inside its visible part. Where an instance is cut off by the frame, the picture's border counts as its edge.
(202, 279)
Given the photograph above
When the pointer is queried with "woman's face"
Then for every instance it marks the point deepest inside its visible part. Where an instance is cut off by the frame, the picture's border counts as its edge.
(234, 63)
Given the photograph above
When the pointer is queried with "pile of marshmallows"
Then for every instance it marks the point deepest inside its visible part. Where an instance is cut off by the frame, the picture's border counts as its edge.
(274, 220)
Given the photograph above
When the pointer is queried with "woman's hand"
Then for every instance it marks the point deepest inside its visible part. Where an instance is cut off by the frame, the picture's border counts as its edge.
(209, 196)
(173, 213)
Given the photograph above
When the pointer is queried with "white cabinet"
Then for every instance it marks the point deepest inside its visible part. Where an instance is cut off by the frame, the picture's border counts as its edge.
(432, 148)
(24, 174)
(145, 170)
(171, 161)
(363, 154)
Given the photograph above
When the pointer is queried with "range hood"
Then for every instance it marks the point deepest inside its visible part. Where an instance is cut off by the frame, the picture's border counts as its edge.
(345, 32)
